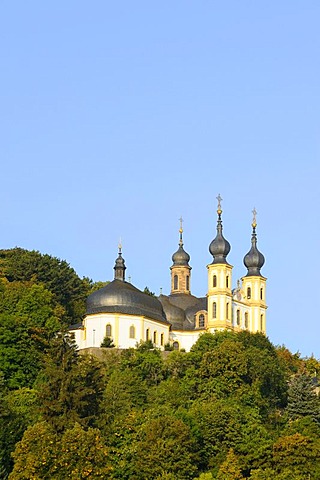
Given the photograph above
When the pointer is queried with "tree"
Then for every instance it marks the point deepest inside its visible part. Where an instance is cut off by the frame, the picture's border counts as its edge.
(21, 350)
(297, 454)
(220, 425)
(70, 386)
(312, 366)
(148, 292)
(125, 392)
(76, 454)
(225, 367)
(18, 410)
(291, 362)
(230, 468)
(302, 399)
(107, 343)
(165, 446)
(56, 275)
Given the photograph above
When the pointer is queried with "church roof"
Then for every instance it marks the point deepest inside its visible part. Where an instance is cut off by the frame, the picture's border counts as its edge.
(122, 297)
(180, 309)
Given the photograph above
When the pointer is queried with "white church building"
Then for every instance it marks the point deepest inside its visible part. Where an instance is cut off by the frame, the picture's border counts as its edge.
(128, 316)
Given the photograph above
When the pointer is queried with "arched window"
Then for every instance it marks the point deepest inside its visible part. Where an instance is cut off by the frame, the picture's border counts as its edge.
(161, 339)
(201, 320)
(227, 311)
(154, 337)
(187, 282)
(214, 310)
(108, 330)
(147, 334)
(238, 317)
(132, 332)
(175, 345)
(175, 282)
(227, 281)
(246, 320)
(261, 322)
(214, 281)
(261, 293)
(249, 293)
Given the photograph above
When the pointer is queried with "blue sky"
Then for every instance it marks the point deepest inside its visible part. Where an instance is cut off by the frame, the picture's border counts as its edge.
(118, 117)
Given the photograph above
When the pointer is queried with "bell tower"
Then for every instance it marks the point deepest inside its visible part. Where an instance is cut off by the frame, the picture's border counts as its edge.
(254, 284)
(180, 269)
(219, 280)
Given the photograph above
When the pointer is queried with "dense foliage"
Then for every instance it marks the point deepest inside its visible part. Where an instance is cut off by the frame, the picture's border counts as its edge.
(235, 407)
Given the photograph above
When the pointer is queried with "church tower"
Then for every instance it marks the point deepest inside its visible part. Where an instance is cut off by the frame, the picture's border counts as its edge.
(254, 284)
(219, 281)
(180, 269)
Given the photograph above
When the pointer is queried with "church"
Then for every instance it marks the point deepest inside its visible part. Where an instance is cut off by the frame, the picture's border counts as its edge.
(127, 316)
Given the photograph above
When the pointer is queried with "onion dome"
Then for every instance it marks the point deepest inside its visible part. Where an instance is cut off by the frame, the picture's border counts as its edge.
(119, 268)
(254, 260)
(181, 257)
(219, 247)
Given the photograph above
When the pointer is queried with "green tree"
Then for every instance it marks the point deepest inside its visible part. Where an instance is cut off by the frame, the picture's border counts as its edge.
(297, 454)
(107, 343)
(148, 292)
(56, 275)
(302, 399)
(312, 366)
(18, 410)
(70, 386)
(125, 391)
(291, 362)
(76, 454)
(21, 350)
(230, 468)
(32, 303)
(220, 425)
(165, 446)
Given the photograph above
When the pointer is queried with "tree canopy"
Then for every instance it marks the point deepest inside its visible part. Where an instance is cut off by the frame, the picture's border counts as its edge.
(235, 407)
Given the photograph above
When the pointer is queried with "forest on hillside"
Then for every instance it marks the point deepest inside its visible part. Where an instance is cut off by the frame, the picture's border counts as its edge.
(235, 407)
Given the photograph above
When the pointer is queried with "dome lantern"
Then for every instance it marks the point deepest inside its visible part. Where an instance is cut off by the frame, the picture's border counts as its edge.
(119, 268)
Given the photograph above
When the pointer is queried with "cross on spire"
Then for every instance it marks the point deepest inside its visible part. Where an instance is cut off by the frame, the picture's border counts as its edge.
(219, 198)
(181, 222)
(181, 231)
(254, 220)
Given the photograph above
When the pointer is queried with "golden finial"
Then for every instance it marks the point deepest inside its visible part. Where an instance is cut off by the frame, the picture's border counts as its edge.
(181, 222)
(254, 220)
(219, 210)
(120, 245)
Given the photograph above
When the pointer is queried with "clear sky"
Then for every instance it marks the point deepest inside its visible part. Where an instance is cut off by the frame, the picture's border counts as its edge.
(118, 117)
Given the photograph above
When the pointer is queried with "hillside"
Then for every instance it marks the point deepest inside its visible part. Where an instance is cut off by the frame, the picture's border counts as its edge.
(235, 407)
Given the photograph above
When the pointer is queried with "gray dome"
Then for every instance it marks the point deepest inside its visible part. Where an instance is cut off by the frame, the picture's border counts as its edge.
(122, 297)
(219, 247)
(181, 257)
(254, 260)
